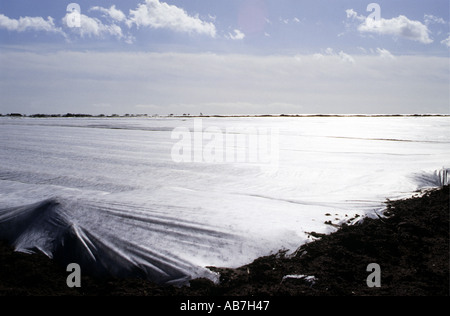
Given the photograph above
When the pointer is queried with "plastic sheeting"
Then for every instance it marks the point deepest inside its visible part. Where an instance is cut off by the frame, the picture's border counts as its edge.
(107, 194)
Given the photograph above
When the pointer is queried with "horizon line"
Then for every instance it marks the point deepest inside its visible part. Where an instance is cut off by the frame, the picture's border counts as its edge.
(86, 115)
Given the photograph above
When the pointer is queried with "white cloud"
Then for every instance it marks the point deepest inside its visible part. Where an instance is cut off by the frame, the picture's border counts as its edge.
(431, 19)
(362, 49)
(385, 54)
(346, 57)
(329, 51)
(152, 13)
(400, 26)
(446, 41)
(238, 35)
(156, 14)
(93, 27)
(286, 21)
(112, 12)
(341, 56)
(351, 14)
(89, 27)
(29, 24)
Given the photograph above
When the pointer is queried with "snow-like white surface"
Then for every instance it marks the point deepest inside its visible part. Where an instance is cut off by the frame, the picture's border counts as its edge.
(113, 185)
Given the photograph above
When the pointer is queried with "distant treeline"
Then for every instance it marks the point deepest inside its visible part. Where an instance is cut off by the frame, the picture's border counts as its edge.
(72, 115)
(201, 115)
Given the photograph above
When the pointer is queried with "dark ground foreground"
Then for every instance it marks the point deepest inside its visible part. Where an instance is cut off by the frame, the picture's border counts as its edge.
(410, 244)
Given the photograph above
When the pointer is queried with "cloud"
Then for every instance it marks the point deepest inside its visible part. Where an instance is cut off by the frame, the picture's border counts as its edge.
(400, 26)
(151, 13)
(29, 24)
(346, 57)
(446, 42)
(341, 56)
(385, 54)
(89, 27)
(112, 12)
(351, 14)
(156, 14)
(238, 35)
(431, 19)
(93, 27)
(287, 21)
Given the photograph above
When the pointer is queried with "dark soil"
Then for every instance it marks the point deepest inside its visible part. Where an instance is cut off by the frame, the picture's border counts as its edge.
(410, 243)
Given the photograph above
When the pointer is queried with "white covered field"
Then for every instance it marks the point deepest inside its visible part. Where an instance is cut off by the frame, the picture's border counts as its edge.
(128, 196)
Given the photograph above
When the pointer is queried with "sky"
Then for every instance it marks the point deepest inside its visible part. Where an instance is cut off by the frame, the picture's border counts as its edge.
(224, 57)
